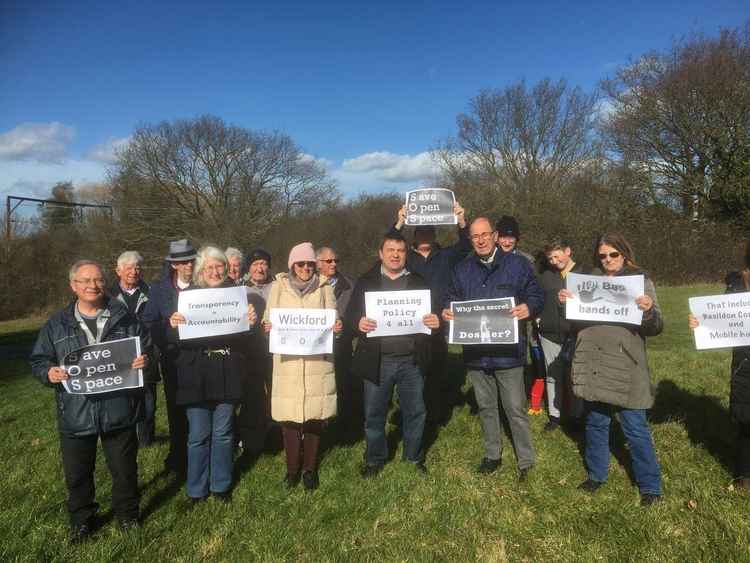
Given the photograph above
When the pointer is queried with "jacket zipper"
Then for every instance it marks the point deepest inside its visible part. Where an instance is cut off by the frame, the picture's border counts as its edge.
(628, 354)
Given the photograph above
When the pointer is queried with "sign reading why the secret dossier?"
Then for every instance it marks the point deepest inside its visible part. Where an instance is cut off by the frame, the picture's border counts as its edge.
(302, 332)
(604, 298)
(103, 367)
(484, 321)
(430, 207)
(213, 311)
(724, 320)
(398, 312)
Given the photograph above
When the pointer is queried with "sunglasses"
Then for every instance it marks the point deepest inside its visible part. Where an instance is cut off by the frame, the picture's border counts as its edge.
(305, 264)
(612, 255)
(330, 260)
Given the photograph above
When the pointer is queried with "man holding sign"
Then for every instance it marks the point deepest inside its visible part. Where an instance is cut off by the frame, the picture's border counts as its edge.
(496, 370)
(399, 360)
(96, 413)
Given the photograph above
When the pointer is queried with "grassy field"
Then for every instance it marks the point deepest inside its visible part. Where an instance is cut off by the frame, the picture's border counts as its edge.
(452, 514)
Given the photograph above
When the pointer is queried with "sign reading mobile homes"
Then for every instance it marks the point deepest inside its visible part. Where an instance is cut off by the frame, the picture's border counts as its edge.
(724, 320)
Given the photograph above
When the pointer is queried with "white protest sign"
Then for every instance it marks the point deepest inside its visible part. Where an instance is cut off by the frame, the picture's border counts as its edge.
(724, 320)
(103, 367)
(302, 332)
(430, 207)
(398, 312)
(212, 312)
(483, 321)
(604, 298)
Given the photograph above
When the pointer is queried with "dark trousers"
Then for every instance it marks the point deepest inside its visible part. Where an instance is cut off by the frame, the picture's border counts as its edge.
(254, 416)
(743, 449)
(176, 417)
(301, 443)
(146, 428)
(349, 407)
(79, 460)
(434, 382)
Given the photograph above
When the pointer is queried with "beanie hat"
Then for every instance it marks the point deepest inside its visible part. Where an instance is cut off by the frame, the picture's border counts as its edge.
(508, 226)
(303, 252)
(258, 254)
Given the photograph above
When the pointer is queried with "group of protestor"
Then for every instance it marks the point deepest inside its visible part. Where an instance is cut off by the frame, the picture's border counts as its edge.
(228, 391)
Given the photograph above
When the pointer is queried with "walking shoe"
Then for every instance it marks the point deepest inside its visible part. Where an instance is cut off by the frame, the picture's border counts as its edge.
(225, 496)
(488, 466)
(291, 481)
(195, 501)
(80, 533)
(552, 425)
(742, 483)
(370, 471)
(523, 474)
(647, 499)
(590, 486)
(421, 467)
(310, 480)
(129, 524)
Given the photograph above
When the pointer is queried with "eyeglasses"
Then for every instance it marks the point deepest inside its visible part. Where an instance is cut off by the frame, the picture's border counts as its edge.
(329, 260)
(304, 264)
(482, 236)
(612, 255)
(90, 281)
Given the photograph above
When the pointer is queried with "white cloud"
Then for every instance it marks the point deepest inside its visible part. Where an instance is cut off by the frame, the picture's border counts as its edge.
(106, 152)
(38, 142)
(322, 162)
(393, 168)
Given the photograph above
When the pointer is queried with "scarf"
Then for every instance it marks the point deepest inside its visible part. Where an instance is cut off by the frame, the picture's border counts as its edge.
(303, 287)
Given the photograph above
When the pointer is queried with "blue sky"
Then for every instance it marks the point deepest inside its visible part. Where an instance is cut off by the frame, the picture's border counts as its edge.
(369, 89)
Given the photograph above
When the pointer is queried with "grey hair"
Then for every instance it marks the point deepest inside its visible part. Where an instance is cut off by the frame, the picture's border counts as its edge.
(323, 249)
(206, 253)
(129, 257)
(232, 252)
(80, 264)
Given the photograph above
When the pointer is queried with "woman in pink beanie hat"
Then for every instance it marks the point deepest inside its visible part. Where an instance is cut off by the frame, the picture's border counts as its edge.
(303, 394)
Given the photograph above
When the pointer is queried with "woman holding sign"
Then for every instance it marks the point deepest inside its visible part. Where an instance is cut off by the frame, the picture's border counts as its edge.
(739, 394)
(211, 373)
(610, 373)
(303, 394)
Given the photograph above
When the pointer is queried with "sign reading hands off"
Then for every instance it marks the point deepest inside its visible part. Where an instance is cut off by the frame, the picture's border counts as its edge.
(103, 367)
(214, 311)
(430, 207)
(604, 298)
(724, 320)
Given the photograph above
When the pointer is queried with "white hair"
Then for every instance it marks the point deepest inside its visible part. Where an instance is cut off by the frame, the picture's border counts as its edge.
(80, 264)
(129, 257)
(322, 250)
(206, 253)
(232, 252)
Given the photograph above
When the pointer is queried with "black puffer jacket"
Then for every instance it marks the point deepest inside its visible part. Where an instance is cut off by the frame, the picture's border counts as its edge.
(83, 415)
(553, 324)
(739, 395)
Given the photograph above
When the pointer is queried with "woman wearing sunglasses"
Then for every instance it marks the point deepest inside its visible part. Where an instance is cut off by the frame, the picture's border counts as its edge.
(303, 393)
(739, 394)
(610, 373)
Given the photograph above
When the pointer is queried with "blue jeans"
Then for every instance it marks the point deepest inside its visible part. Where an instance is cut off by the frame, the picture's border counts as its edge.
(209, 448)
(638, 435)
(402, 372)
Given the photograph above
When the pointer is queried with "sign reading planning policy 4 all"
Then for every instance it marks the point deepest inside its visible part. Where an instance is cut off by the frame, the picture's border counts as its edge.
(484, 321)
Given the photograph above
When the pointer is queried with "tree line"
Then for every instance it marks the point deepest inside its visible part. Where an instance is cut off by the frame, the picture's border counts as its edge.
(660, 151)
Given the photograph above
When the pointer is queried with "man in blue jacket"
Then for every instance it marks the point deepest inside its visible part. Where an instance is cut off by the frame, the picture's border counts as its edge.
(82, 420)
(496, 370)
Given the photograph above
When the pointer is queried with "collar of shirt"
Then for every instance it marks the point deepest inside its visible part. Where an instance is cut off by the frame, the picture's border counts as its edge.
(403, 272)
(567, 269)
(489, 260)
(129, 291)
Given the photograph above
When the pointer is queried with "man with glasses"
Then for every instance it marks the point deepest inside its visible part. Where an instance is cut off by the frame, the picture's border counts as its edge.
(496, 370)
(348, 392)
(132, 291)
(177, 274)
(82, 420)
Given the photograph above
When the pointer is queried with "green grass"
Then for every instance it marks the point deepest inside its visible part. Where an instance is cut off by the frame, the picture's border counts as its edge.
(452, 514)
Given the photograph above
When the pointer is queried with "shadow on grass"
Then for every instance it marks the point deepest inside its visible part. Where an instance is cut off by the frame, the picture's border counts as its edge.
(706, 421)
(164, 494)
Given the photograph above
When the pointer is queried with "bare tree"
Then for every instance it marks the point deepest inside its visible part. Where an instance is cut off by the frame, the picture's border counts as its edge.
(681, 120)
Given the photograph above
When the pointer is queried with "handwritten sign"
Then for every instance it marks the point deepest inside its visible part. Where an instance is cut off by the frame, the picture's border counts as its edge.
(604, 298)
(103, 367)
(214, 311)
(302, 332)
(398, 312)
(430, 207)
(483, 321)
(724, 320)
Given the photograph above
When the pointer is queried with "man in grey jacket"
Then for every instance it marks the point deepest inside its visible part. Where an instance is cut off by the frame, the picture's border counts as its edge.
(83, 420)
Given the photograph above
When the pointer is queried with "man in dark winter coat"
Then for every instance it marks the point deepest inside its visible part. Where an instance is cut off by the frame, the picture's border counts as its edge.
(556, 332)
(83, 420)
(132, 291)
(387, 361)
(176, 276)
(434, 263)
(497, 370)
